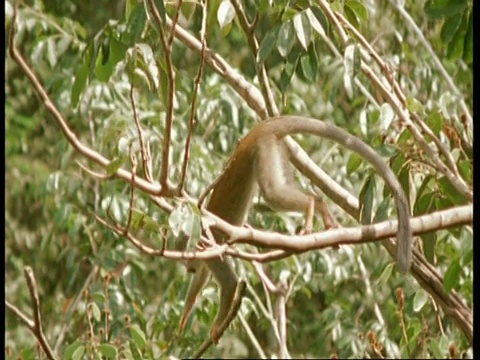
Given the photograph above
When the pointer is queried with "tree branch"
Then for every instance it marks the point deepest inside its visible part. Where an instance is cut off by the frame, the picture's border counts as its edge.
(35, 325)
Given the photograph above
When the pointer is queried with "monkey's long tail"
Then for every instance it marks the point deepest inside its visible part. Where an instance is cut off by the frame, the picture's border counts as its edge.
(283, 125)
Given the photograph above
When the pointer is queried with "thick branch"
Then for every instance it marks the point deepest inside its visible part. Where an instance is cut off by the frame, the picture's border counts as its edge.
(457, 216)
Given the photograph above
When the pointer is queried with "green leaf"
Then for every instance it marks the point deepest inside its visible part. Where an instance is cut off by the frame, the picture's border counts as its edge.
(79, 84)
(435, 122)
(451, 192)
(103, 70)
(97, 314)
(225, 13)
(142, 67)
(353, 162)
(108, 350)
(105, 47)
(52, 55)
(386, 116)
(366, 200)
(429, 242)
(195, 225)
(321, 17)
(161, 10)
(467, 257)
(438, 9)
(468, 46)
(424, 204)
(452, 275)
(456, 46)
(351, 61)
(286, 75)
(98, 296)
(465, 170)
(78, 353)
(316, 25)
(266, 46)
(176, 219)
(28, 354)
(70, 349)
(414, 105)
(116, 206)
(386, 275)
(137, 355)
(404, 179)
(419, 300)
(303, 29)
(350, 15)
(382, 210)
(424, 189)
(129, 6)
(450, 27)
(114, 165)
(263, 5)
(309, 65)
(437, 349)
(138, 336)
(386, 150)
(117, 51)
(398, 162)
(285, 39)
(357, 10)
(136, 24)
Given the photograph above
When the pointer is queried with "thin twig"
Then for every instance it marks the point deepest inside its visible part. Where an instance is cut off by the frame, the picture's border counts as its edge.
(167, 49)
(146, 160)
(210, 253)
(132, 192)
(269, 288)
(73, 305)
(262, 74)
(35, 325)
(251, 336)
(198, 77)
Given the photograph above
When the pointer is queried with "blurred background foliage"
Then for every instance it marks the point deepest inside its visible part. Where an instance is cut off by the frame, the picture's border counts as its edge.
(81, 52)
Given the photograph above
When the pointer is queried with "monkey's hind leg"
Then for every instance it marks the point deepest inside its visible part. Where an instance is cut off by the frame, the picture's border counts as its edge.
(316, 206)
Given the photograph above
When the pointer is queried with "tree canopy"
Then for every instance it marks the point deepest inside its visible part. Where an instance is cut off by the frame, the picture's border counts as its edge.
(121, 115)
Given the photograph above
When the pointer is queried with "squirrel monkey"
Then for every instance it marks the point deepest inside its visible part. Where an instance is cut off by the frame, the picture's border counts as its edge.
(261, 159)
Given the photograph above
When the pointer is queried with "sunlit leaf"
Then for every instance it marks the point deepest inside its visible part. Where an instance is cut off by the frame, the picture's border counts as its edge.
(70, 349)
(108, 350)
(303, 29)
(78, 353)
(285, 39)
(138, 336)
(317, 26)
(419, 300)
(225, 13)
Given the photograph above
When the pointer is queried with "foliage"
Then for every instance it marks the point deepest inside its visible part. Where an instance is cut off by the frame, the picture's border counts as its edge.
(102, 297)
